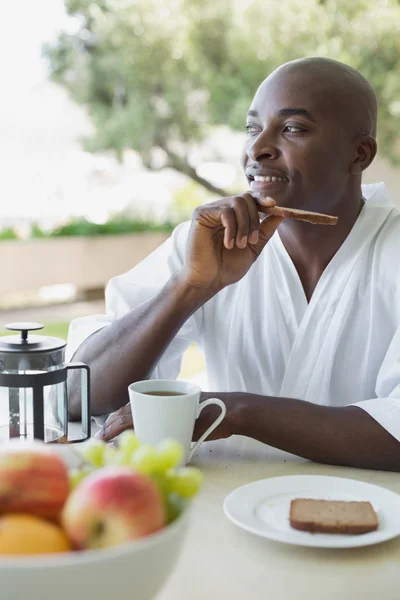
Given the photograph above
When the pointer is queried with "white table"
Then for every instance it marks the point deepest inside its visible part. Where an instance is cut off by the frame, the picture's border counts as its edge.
(220, 561)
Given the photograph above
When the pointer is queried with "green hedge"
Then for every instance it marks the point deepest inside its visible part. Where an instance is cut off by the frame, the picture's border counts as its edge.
(83, 227)
(8, 234)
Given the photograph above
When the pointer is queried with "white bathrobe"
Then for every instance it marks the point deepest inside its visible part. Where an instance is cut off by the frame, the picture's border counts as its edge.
(262, 336)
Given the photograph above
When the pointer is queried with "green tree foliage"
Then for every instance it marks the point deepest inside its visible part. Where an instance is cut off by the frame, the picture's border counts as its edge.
(158, 75)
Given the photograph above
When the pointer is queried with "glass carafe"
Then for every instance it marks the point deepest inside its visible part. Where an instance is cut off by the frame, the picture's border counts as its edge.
(34, 390)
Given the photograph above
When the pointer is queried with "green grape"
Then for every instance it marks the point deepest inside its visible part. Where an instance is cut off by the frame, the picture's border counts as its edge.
(128, 443)
(118, 458)
(110, 455)
(169, 455)
(114, 456)
(186, 481)
(162, 484)
(144, 459)
(76, 476)
(93, 452)
(175, 505)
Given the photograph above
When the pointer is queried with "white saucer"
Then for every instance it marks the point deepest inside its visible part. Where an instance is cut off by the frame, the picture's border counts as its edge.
(262, 508)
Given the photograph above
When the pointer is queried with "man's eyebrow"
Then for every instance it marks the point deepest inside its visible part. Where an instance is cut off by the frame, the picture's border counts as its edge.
(289, 112)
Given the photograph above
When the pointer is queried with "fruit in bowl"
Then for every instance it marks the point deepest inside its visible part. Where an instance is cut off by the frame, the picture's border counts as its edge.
(33, 480)
(27, 534)
(117, 494)
(111, 506)
(136, 569)
(121, 524)
(176, 485)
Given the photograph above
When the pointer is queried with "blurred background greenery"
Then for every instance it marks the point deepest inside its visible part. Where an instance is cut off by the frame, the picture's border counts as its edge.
(159, 76)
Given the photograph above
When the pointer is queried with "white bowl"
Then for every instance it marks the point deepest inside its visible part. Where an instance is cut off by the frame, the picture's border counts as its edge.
(136, 570)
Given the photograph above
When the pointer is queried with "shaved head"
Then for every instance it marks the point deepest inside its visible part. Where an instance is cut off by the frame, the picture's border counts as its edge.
(312, 125)
(340, 86)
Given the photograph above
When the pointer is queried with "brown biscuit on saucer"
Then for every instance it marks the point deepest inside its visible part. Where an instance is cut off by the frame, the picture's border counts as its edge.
(332, 516)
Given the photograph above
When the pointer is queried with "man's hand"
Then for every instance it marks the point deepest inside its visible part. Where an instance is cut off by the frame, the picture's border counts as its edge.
(116, 423)
(210, 413)
(122, 420)
(226, 238)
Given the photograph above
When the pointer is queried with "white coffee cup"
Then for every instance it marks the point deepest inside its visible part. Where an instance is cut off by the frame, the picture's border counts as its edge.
(156, 418)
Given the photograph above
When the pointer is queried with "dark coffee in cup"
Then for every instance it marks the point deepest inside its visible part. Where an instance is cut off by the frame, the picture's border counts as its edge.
(162, 393)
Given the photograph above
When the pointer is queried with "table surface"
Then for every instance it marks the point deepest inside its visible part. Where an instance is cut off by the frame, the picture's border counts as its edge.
(221, 561)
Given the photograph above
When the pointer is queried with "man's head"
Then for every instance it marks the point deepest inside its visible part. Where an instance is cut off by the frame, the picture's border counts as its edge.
(312, 124)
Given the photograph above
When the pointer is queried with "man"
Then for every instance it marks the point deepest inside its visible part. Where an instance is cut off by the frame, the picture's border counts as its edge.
(299, 323)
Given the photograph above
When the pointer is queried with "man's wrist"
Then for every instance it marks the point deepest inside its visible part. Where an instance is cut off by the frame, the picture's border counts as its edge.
(192, 295)
(246, 412)
(239, 405)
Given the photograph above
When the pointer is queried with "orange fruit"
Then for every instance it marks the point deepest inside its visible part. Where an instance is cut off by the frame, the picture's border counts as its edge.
(26, 534)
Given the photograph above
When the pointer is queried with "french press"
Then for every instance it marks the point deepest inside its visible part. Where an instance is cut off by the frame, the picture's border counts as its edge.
(33, 387)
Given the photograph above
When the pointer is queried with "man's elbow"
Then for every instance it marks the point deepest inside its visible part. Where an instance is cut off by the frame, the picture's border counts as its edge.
(74, 406)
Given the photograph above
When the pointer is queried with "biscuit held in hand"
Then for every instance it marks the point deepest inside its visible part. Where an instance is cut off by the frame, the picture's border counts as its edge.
(296, 213)
(303, 215)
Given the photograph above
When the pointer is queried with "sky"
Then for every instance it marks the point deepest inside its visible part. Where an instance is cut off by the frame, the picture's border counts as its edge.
(24, 26)
(44, 171)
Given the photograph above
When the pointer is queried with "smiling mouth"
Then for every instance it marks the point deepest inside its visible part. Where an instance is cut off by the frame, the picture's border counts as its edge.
(265, 184)
(269, 179)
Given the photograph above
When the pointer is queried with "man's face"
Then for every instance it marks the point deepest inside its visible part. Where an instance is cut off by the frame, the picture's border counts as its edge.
(298, 135)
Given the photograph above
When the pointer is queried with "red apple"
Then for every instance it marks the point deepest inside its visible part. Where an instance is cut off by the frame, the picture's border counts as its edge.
(33, 480)
(111, 506)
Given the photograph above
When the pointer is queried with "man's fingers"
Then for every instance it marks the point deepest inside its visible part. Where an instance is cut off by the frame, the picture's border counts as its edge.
(239, 216)
(243, 221)
(264, 202)
(116, 424)
(228, 220)
(268, 227)
(254, 218)
(214, 215)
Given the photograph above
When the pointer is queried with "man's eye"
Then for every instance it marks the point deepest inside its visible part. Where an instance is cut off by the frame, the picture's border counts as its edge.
(252, 129)
(293, 129)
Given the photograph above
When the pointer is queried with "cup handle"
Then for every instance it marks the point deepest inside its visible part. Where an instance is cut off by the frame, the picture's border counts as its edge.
(217, 421)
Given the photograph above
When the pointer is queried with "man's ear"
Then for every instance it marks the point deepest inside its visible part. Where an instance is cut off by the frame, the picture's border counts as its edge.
(365, 153)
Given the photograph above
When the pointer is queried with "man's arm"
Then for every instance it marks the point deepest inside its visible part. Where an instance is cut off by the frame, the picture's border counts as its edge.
(346, 436)
(226, 237)
(129, 349)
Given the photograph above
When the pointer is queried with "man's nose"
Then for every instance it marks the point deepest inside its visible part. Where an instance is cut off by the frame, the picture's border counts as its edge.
(262, 148)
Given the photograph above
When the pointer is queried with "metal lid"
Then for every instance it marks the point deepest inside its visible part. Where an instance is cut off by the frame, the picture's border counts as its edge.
(33, 343)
